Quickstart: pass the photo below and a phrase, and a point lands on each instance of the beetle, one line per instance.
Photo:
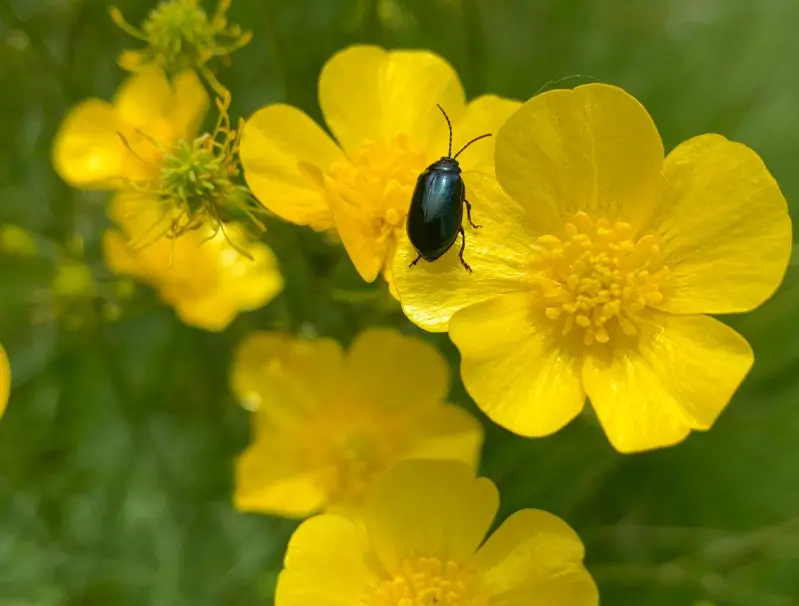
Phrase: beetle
(436, 213)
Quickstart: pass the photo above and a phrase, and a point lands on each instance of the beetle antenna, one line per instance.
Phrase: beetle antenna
(470, 142)
(446, 117)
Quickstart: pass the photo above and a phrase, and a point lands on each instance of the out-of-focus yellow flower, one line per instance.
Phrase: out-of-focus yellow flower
(209, 276)
(179, 36)
(423, 543)
(594, 269)
(17, 241)
(102, 145)
(5, 379)
(381, 107)
(327, 423)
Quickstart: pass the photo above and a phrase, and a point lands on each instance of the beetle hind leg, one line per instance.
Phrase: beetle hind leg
(415, 261)
(463, 246)
(469, 214)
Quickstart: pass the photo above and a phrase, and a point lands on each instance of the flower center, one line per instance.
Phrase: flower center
(377, 183)
(598, 277)
(427, 581)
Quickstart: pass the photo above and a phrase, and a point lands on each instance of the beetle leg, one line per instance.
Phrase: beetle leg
(469, 214)
(463, 246)
(415, 261)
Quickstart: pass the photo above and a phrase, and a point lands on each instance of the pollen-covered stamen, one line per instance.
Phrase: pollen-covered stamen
(597, 277)
(427, 581)
(377, 183)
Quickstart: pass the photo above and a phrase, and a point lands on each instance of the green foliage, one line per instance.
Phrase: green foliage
(116, 452)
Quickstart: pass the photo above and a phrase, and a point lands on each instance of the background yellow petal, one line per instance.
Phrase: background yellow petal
(400, 371)
(88, 151)
(285, 155)
(594, 148)
(514, 367)
(144, 98)
(326, 564)
(680, 377)
(5, 379)
(498, 253)
(277, 485)
(369, 94)
(249, 372)
(429, 508)
(534, 557)
(448, 432)
(724, 228)
(485, 114)
(189, 105)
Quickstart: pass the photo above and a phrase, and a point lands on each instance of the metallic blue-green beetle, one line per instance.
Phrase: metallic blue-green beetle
(436, 213)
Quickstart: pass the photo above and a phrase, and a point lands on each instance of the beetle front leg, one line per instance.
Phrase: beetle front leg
(469, 214)
(463, 246)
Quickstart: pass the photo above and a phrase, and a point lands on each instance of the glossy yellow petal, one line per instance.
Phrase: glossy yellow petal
(189, 104)
(405, 371)
(534, 558)
(448, 432)
(361, 238)
(516, 367)
(254, 357)
(144, 99)
(277, 485)
(483, 115)
(326, 564)
(679, 377)
(87, 150)
(429, 508)
(285, 155)
(724, 228)
(498, 252)
(5, 379)
(369, 94)
(593, 149)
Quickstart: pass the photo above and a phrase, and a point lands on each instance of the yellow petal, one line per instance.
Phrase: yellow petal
(285, 155)
(5, 379)
(361, 238)
(143, 99)
(498, 253)
(514, 367)
(405, 371)
(724, 228)
(483, 115)
(448, 432)
(87, 150)
(593, 149)
(188, 105)
(369, 94)
(251, 362)
(429, 508)
(679, 377)
(270, 483)
(326, 564)
(534, 558)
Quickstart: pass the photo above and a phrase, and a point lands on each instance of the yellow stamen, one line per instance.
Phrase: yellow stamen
(427, 581)
(598, 278)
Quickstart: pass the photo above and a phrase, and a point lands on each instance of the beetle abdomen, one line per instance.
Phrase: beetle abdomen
(436, 211)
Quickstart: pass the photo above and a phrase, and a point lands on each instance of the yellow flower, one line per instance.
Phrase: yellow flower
(327, 423)
(5, 379)
(595, 267)
(423, 543)
(204, 274)
(102, 145)
(381, 107)
(180, 35)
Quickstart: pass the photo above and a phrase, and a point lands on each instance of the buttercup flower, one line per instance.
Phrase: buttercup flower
(381, 107)
(102, 145)
(595, 269)
(327, 423)
(5, 379)
(209, 276)
(423, 543)
(179, 36)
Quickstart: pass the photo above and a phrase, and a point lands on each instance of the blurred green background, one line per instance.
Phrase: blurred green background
(116, 450)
